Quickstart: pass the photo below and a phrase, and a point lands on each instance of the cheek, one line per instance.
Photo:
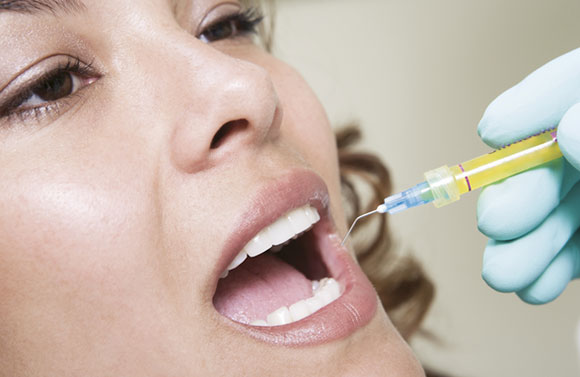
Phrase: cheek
(66, 226)
(306, 120)
(76, 252)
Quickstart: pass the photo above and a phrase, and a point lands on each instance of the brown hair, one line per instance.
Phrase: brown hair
(403, 287)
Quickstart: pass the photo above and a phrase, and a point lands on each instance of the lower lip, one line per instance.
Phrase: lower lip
(339, 319)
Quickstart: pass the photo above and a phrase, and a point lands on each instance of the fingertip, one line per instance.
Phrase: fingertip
(513, 266)
(556, 277)
(491, 220)
(496, 127)
(517, 205)
(536, 103)
(538, 297)
(569, 136)
(499, 272)
(547, 288)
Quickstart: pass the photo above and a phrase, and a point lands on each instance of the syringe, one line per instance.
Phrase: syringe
(445, 185)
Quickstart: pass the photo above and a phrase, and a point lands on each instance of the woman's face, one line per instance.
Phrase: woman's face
(143, 146)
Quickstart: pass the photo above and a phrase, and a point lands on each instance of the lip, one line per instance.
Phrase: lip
(357, 304)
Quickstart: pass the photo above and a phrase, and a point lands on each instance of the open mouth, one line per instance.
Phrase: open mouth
(289, 281)
(280, 276)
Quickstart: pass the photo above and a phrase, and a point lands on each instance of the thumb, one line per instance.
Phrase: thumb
(535, 104)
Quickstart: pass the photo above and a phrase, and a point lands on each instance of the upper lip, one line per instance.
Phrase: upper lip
(292, 190)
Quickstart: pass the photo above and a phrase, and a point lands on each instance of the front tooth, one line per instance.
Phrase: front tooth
(280, 316)
(257, 245)
(280, 231)
(299, 219)
(239, 259)
(286, 227)
(224, 274)
(312, 214)
(299, 310)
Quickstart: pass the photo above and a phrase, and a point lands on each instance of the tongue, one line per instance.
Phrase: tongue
(258, 287)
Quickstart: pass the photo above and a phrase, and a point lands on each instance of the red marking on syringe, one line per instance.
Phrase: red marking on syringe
(466, 177)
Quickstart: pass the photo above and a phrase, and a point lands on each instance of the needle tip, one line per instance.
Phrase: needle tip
(354, 222)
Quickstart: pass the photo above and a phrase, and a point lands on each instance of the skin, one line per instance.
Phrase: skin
(114, 208)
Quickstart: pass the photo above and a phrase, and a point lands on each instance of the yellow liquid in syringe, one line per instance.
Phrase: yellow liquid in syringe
(507, 161)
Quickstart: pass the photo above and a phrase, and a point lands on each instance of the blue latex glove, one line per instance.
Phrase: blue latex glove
(533, 218)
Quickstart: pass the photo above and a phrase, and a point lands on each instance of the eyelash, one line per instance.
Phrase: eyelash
(73, 66)
(245, 22)
(239, 24)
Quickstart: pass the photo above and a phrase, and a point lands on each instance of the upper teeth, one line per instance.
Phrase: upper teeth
(282, 230)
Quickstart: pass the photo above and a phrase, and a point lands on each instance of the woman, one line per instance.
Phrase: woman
(147, 149)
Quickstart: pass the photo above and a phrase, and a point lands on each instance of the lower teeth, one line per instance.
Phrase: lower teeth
(325, 292)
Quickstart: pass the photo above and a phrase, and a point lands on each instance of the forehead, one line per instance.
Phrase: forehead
(55, 6)
(46, 6)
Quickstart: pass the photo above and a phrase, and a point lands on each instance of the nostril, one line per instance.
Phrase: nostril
(228, 130)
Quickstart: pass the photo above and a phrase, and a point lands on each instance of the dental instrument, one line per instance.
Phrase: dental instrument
(444, 185)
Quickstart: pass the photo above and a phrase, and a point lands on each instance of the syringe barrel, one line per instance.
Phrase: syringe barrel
(507, 161)
(447, 184)
(444, 185)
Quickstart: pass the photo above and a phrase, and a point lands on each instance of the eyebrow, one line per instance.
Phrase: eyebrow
(42, 6)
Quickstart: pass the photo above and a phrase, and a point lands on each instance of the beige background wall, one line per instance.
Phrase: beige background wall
(418, 74)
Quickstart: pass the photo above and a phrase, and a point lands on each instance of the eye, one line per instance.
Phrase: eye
(48, 91)
(55, 87)
(236, 25)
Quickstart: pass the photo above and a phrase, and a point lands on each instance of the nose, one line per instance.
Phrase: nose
(227, 105)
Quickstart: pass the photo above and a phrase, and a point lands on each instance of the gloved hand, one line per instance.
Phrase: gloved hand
(533, 218)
